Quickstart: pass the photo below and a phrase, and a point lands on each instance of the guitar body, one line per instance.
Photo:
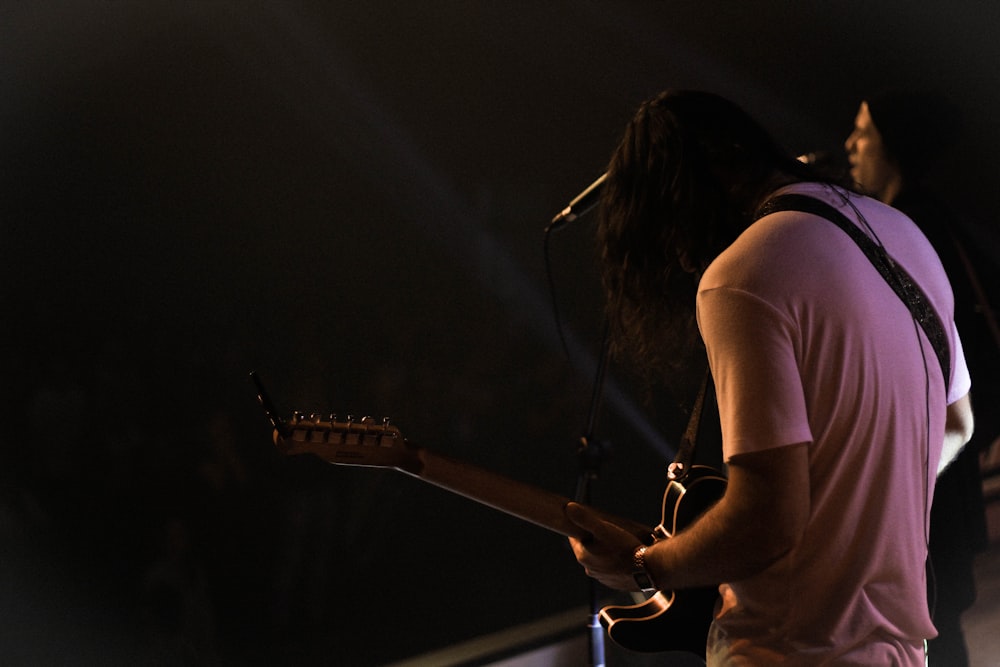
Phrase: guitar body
(679, 620)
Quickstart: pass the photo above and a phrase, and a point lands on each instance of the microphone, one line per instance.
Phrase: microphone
(583, 202)
(816, 157)
(830, 163)
(820, 157)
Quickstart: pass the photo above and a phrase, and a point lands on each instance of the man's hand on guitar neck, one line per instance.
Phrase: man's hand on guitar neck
(760, 517)
(607, 555)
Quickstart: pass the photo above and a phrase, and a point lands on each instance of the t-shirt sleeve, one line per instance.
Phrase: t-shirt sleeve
(752, 352)
(961, 381)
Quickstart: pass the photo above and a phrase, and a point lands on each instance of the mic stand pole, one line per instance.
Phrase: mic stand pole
(591, 454)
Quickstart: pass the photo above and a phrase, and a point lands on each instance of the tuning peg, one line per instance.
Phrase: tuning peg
(389, 433)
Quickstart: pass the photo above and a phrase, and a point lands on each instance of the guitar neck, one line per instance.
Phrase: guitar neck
(518, 499)
(367, 442)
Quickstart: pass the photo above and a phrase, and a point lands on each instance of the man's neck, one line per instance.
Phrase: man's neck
(893, 186)
(777, 181)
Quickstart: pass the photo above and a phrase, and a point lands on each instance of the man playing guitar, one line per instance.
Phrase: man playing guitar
(838, 404)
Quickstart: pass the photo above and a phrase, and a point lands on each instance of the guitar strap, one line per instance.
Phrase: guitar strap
(681, 464)
(898, 279)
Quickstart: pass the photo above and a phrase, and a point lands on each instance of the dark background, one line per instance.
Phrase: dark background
(349, 198)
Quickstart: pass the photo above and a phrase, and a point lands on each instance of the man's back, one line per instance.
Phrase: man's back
(808, 343)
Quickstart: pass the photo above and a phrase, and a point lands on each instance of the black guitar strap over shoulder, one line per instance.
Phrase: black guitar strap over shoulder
(898, 279)
(681, 464)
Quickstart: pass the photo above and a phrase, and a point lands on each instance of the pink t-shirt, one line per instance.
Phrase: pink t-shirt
(808, 343)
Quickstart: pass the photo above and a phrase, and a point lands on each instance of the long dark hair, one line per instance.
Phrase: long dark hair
(683, 183)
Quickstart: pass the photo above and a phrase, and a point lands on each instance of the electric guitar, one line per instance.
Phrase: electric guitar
(667, 621)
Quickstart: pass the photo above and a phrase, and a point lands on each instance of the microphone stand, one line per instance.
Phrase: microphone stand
(591, 455)
(591, 452)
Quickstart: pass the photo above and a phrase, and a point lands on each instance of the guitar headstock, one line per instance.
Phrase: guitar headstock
(356, 442)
